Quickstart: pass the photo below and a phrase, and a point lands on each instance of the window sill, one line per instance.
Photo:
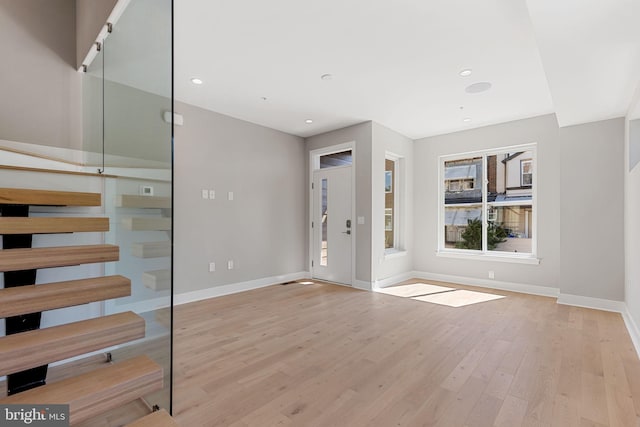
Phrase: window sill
(394, 253)
(529, 259)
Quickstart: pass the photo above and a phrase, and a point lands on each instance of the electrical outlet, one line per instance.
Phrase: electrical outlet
(230, 264)
(212, 267)
(491, 274)
(205, 194)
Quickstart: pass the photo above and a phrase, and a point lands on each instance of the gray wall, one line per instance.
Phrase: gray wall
(542, 130)
(41, 90)
(263, 228)
(592, 209)
(387, 140)
(362, 135)
(580, 205)
(91, 15)
(134, 124)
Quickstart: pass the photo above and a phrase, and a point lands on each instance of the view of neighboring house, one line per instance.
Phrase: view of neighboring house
(389, 203)
(509, 198)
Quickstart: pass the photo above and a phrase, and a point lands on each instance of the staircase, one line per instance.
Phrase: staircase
(157, 280)
(26, 350)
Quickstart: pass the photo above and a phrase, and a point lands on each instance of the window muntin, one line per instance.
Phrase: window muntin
(497, 217)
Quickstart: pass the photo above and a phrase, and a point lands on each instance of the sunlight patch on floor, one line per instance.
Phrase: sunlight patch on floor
(458, 298)
(413, 290)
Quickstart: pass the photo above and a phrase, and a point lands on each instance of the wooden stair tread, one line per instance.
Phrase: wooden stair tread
(36, 298)
(158, 280)
(44, 225)
(147, 224)
(151, 249)
(21, 196)
(136, 201)
(60, 256)
(159, 418)
(93, 393)
(27, 350)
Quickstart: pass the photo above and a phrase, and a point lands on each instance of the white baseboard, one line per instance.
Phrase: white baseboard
(589, 302)
(492, 284)
(390, 281)
(632, 327)
(218, 291)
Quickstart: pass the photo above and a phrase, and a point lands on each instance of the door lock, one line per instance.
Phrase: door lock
(348, 223)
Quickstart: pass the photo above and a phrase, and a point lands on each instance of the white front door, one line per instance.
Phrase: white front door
(332, 225)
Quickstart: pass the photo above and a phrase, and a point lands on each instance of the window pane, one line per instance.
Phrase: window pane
(389, 203)
(343, 158)
(463, 227)
(526, 167)
(462, 180)
(510, 177)
(498, 185)
(324, 248)
(388, 219)
(510, 228)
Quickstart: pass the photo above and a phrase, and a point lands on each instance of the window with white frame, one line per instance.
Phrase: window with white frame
(496, 217)
(392, 226)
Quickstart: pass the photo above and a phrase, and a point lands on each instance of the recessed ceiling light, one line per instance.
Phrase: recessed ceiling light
(308, 121)
(196, 81)
(466, 72)
(467, 120)
(478, 87)
(326, 77)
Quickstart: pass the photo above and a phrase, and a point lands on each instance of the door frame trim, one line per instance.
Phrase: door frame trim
(314, 164)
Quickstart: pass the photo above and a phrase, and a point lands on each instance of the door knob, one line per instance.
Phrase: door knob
(346, 232)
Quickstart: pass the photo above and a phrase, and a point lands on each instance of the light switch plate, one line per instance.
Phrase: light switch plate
(360, 220)
(212, 267)
(205, 194)
(146, 190)
(212, 194)
(230, 195)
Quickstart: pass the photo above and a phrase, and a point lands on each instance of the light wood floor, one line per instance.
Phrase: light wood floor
(326, 355)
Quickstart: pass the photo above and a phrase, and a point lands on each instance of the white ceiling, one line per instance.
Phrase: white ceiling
(397, 61)
(591, 55)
